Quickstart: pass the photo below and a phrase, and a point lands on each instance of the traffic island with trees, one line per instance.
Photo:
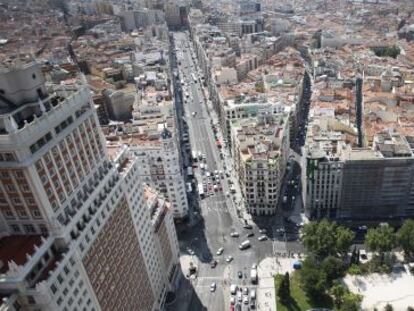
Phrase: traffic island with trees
(318, 284)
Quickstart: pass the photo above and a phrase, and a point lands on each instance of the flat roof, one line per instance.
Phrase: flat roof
(15, 248)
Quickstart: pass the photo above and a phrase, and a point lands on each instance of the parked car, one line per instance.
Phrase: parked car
(250, 234)
(229, 259)
(248, 227)
(234, 234)
(220, 251)
(240, 274)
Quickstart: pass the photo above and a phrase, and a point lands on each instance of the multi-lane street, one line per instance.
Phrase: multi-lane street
(214, 216)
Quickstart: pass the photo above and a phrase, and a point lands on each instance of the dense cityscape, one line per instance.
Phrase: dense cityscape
(186, 155)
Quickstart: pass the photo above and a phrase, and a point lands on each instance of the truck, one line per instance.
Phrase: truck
(244, 245)
(253, 276)
(201, 190)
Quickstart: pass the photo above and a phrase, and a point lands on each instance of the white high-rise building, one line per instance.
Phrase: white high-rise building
(79, 231)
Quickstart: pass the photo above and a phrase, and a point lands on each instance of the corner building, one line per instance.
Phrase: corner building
(78, 231)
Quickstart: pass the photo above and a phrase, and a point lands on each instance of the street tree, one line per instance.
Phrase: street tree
(338, 291)
(344, 238)
(312, 278)
(325, 239)
(380, 240)
(333, 268)
(351, 302)
(405, 238)
(388, 307)
(284, 288)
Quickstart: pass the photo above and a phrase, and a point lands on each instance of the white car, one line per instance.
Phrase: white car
(213, 287)
(229, 258)
(246, 300)
(234, 234)
(254, 266)
(239, 296)
(262, 238)
(220, 251)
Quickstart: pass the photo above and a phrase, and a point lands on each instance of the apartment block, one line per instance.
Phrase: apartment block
(348, 183)
(260, 147)
(77, 229)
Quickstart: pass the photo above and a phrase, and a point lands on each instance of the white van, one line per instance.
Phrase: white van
(253, 294)
(233, 289)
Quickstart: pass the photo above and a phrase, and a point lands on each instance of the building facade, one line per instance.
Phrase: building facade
(77, 230)
(347, 183)
(260, 147)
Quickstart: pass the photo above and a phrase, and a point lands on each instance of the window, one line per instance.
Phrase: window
(10, 188)
(15, 228)
(25, 188)
(29, 228)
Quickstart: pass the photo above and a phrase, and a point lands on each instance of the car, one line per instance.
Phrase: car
(248, 227)
(263, 231)
(220, 251)
(262, 238)
(232, 300)
(233, 289)
(213, 287)
(229, 258)
(250, 234)
(246, 300)
(239, 296)
(245, 291)
(234, 234)
(240, 274)
(213, 264)
(254, 266)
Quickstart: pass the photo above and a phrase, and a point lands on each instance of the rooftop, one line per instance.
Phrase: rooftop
(15, 249)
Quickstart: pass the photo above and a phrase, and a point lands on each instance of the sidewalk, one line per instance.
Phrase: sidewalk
(266, 295)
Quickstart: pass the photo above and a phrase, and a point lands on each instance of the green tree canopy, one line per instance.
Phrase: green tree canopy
(325, 239)
(312, 278)
(351, 302)
(405, 237)
(333, 268)
(380, 239)
(338, 291)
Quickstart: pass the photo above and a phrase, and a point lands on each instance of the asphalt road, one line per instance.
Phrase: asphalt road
(217, 216)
